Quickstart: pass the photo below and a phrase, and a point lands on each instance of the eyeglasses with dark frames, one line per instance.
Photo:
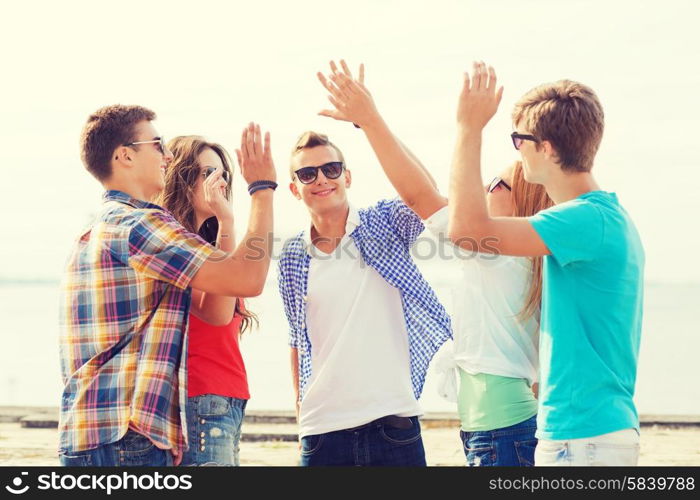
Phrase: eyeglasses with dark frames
(332, 170)
(497, 181)
(519, 138)
(159, 141)
(210, 170)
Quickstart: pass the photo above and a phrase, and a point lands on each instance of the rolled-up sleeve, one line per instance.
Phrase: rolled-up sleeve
(402, 221)
(160, 248)
(288, 302)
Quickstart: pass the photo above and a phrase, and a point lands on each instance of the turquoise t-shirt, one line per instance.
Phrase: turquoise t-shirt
(591, 317)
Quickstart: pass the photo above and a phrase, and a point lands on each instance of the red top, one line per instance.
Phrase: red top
(214, 361)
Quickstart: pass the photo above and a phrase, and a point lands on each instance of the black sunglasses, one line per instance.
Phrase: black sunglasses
(497, 181)
(158, 141)
(331, 170)
(210, 170)
(519, 138)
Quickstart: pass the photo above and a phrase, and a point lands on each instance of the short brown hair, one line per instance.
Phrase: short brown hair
(107, 129)
(309, 140)
(567, 114)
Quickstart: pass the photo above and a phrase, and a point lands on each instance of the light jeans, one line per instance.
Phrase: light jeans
(214, 430)
(615, 448)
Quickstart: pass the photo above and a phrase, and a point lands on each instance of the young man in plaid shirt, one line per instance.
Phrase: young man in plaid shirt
(125, 294)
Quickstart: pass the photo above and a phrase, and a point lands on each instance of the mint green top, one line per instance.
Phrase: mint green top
(488, 402)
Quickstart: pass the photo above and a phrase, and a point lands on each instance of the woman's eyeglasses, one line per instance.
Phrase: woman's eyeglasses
(519, 138)
(497, 181)
(210, 170)
(331, 170)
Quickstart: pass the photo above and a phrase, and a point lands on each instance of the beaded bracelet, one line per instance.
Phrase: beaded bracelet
(258, 185)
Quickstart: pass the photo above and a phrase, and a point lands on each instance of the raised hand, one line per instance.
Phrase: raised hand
(255, 157)
(349, 96)
(479, 99)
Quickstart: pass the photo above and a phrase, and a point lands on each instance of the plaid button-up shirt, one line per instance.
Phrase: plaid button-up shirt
(123, 320)
(385, 234)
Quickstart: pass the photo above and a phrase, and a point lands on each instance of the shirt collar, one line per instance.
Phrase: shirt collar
(351, 223)
(122, 197)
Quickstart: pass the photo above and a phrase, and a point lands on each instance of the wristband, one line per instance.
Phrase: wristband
(258, 185)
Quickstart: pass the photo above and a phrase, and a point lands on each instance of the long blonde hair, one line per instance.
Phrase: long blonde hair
(178, 195)
(528, 199)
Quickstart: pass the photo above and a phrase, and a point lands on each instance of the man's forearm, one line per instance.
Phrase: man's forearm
(256, 246)
(468, 211)
(408, 176)
(418, 162)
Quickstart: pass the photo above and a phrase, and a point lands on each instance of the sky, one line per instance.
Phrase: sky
(210, 67)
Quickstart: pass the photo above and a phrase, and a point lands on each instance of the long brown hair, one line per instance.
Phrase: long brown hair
(528, 199)
(178, 195)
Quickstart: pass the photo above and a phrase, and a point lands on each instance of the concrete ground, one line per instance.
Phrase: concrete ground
(21, 446)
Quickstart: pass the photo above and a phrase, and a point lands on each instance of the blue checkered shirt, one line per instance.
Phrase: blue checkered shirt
(384, 237)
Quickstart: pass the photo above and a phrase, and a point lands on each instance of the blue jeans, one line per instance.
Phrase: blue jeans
(214, 430)
(374, 444)
(133, 450)
(509, 446)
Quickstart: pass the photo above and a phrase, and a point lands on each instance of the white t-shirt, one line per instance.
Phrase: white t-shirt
(359, 343)
(488, 337)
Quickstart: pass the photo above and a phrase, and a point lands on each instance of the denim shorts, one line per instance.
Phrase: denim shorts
(512, 446)
(214, 430)
(132, 450)
(375, 444)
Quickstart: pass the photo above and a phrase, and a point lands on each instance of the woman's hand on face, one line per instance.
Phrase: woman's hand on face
(215, 196)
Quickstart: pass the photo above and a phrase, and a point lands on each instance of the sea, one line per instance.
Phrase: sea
(30, 375)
